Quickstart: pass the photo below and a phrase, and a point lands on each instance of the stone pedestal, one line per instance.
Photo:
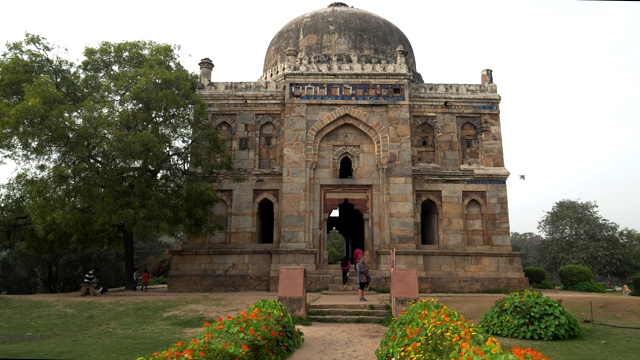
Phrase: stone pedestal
(292, 291)
(404, 289)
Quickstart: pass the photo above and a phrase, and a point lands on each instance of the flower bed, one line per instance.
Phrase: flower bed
(266, 331)
(429, 330)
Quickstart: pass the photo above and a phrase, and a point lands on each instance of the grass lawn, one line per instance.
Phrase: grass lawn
(598, 341)
(119, 329)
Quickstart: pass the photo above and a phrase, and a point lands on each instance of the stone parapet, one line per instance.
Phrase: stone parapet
(457, 89)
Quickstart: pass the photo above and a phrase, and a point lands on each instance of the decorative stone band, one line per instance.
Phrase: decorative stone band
(329, 91)
(278, 72)
(461, 89)
(415, 89)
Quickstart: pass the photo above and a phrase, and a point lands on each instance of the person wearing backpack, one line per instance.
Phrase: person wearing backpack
(363, 277)
(345, 265)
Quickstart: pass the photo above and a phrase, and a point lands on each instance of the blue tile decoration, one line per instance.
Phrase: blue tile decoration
(487, 182)
(354, 92)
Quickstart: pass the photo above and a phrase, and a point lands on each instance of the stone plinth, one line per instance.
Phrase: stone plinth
(292, 291)
(404, 289)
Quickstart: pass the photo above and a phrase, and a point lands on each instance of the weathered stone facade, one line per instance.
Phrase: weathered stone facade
(335, 124)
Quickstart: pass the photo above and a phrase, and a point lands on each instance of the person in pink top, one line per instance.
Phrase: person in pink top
(357, 253)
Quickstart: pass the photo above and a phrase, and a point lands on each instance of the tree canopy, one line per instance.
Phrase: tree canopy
(108, 148)
(575, 233)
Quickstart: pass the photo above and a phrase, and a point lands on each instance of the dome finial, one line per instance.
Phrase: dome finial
(338, 4)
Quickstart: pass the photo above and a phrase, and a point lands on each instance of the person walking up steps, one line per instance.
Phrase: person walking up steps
(345, 265)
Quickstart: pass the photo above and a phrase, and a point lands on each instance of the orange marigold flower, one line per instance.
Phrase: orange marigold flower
(179, 344)
(201, 353)
(251, 331)
(245, 347)
(225, 346)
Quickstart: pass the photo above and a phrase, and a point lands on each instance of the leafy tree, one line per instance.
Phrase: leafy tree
(575, 233)
(631, 240)
(530, 245)
(113, 147)
(336, 246)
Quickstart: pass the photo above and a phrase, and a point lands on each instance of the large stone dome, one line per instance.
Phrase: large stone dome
(339, 30)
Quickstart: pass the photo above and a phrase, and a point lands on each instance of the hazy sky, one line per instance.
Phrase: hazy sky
(568, 73)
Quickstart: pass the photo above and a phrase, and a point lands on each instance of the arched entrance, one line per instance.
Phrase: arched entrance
(349, 222)
(348, 210)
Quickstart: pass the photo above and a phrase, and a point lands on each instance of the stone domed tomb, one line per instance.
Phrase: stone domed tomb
(340, 132)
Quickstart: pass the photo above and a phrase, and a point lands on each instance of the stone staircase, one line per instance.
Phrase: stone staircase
(349, 313)
(350, 310)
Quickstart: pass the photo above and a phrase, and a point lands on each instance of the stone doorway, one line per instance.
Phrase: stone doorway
(347, 209)
(349, 222)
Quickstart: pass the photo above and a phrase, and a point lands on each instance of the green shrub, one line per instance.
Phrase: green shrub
(159, 266)
(545, 284)
(589, 286)
(498, 290)
(529, 315)
(571, 275)
(536, 275)
(158, 281)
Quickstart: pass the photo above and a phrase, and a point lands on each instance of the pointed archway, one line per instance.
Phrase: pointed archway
(349, 222)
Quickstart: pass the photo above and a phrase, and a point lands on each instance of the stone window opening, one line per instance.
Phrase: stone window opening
(345, 161)
(428, 223)
(346, 168)
(265, 222)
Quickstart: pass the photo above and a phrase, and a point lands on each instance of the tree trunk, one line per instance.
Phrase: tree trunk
(127, 237)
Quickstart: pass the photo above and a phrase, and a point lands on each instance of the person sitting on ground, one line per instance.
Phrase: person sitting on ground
(91, 279)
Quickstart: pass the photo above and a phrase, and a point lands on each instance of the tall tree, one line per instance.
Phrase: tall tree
(575, 233)
(110, 147)
(530, 245)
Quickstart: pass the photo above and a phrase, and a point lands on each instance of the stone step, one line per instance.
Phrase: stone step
(364, 312)
(347, 319)
(365, 305)
(349, 312)
(341, 288)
